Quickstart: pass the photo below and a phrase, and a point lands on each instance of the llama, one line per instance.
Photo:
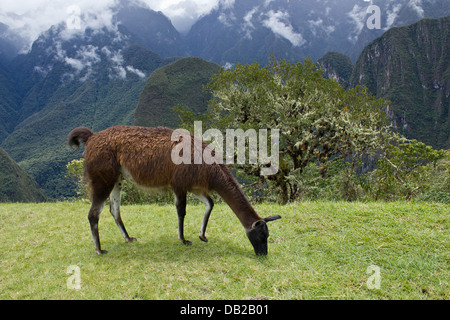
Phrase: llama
(143, 156)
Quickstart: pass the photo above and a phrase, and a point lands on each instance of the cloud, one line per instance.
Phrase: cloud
(117, 69)
(318, 24)
(357, 16)
(184, 13)
(248, 26)
(29, 18)
(278, 22)
(137, 72)
(86, 57)
(83, 60)
(227, 18)
(43, 70)
(391, 16)
(120, 73)
(416, 6)
(75, 63)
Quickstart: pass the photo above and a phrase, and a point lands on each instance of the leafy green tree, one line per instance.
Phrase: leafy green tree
(75, 172)
(409, 168)
(319, 121)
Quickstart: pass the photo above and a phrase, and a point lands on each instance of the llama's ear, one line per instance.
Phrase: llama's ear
(258, 224)
(272, 218)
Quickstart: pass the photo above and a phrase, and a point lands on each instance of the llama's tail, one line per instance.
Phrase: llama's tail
(78, 135)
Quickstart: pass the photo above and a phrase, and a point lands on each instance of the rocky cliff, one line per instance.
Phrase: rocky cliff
(410, 66)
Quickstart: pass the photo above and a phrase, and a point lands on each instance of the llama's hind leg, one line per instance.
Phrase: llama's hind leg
(180, 203)
(115, 200)
(94, 215)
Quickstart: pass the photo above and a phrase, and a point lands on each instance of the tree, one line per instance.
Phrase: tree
(408, 168)
(319, 121)
(75, 172)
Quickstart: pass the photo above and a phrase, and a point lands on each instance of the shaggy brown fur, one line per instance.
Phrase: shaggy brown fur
(144, 156)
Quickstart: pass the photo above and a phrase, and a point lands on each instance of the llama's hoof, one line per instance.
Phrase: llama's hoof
(131, 239)
(203, 238)
(186, 242)
(100, 252)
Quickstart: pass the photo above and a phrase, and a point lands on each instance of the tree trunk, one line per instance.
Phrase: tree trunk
(284, 197)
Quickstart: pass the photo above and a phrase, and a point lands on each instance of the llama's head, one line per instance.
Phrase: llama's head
(259, 233)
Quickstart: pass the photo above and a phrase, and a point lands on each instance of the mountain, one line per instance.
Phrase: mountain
(238, 34)
(153, 29)
(15, 184)
(9, 103)
(410, 66)
(337, 66)
(396, 14)
(10, 44)
(249, 30)
(179, 83)
(73, 78)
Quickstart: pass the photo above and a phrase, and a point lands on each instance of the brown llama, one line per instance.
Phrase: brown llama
(143, 155)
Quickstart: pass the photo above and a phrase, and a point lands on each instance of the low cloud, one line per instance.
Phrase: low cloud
(82, 61)
(248, 25)
(115, 58)
(278, 22)
(85, 60)
(318, 25)
(30, 18)
(184, 14)
(416, 5)
(357, 17)
(392, 16)
(137, 72)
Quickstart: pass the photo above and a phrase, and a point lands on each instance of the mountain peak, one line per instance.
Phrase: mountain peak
(82, 53)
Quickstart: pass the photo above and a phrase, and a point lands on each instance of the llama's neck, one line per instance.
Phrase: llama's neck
(230, 191)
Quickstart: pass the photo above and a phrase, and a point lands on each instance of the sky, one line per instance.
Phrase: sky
(31, 17)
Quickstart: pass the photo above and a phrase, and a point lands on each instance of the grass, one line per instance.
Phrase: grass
(319, 250)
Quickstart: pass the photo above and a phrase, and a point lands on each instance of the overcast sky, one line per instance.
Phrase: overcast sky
(31, 17)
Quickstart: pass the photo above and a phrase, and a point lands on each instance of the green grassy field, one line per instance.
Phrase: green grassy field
(319, 250)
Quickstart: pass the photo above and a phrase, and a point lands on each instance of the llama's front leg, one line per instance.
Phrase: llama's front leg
(209, 204)
(180, 203)
(115, 200)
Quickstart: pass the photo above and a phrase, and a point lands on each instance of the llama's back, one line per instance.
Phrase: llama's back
(144, 156)
(144, 153)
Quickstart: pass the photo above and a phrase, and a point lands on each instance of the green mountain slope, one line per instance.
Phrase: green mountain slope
(102, 94)
(15, 184)
(9, 103)
(181, 82)
(411, 67)
(338, 66)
